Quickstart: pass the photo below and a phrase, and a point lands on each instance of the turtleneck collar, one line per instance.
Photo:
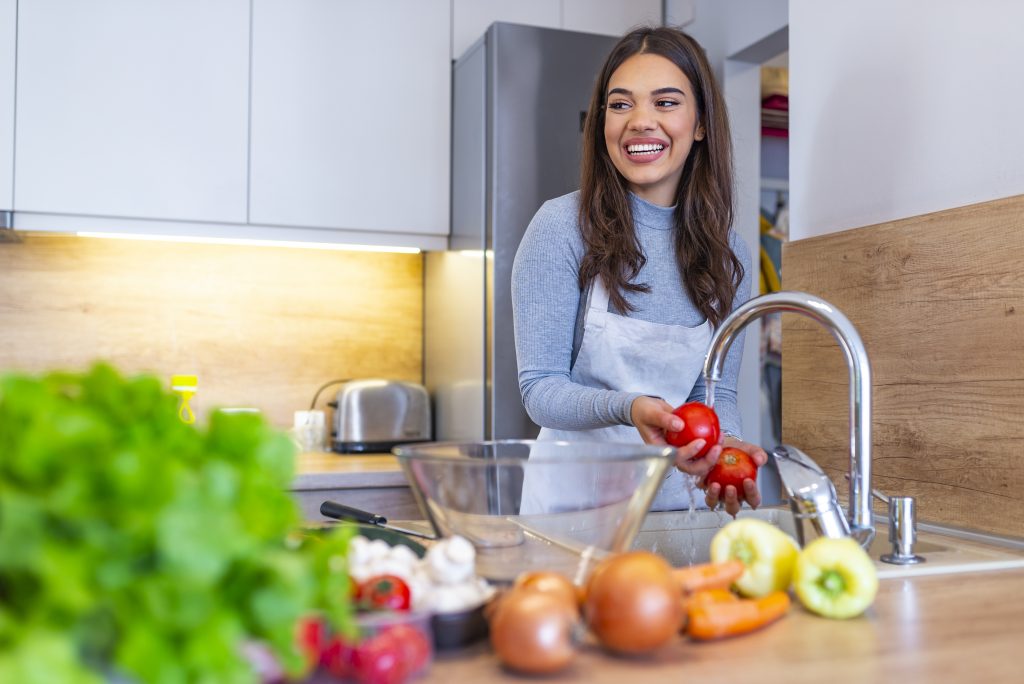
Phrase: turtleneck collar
(651, 215)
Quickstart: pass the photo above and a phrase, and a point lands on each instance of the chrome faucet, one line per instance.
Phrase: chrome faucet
(859, 518)
(812, 495)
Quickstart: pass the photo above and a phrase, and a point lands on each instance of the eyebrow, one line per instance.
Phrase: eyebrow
(659, 91)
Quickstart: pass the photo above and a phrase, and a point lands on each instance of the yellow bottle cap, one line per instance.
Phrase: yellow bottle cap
(186, 386)
(184, 383)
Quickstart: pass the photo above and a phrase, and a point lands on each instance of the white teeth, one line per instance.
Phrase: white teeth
(644, 149)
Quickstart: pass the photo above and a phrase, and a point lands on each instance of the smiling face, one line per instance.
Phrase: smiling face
(650, 124)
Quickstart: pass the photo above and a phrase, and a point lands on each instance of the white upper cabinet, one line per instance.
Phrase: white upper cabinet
(8, 15)
(610, 17)
(132, 109)
(351, 107)
(299, 119)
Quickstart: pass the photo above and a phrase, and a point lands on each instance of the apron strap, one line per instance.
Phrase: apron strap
(597, 303)
(598, 296)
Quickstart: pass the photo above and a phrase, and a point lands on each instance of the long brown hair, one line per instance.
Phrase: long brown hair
(704, 210)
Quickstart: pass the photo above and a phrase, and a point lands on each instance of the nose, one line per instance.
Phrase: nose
(642, 118)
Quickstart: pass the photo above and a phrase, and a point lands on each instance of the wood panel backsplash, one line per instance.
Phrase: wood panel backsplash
(939, 302)
(262, 327)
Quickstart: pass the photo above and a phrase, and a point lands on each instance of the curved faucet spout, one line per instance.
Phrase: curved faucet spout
(843, 331)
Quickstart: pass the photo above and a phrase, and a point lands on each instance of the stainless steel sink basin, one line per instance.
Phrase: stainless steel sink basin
(684, 538)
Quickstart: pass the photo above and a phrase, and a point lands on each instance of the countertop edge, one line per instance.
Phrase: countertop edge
(325, 470)
(355, 480)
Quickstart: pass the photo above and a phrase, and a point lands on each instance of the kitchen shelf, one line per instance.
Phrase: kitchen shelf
(774, 184)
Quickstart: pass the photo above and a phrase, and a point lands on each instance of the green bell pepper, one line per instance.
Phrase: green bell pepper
(767, 552)
(835, 578)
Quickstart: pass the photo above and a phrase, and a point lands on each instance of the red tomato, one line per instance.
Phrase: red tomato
(381, 660)
(699, 422)
(733, 467)
(384, 592)
(413, 644)
(339, 657)
(312, 638)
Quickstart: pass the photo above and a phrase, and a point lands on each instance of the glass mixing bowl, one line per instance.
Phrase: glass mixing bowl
(530, 505)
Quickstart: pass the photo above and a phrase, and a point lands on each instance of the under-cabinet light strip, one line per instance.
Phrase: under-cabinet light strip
(477, 253)
(250, 242)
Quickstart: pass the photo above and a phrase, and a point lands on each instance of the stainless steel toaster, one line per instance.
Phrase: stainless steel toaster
(374, 415)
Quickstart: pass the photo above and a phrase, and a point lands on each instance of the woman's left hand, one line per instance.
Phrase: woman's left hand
(734, 499)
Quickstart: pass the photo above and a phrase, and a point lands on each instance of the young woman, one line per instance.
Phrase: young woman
(617, 287)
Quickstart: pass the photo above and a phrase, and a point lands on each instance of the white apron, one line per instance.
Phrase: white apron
(632, 355)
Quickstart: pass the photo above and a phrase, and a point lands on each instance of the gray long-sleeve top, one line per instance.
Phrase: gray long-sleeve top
(549, 315)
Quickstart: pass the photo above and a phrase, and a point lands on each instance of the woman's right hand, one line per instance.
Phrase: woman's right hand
(653, 418)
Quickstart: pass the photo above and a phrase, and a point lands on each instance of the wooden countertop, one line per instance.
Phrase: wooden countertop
(940, 628)
(949, 628)
(327, 470)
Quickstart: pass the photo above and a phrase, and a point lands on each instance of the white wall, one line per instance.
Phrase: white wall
(727, 29)
(902, 108)
(8, 14)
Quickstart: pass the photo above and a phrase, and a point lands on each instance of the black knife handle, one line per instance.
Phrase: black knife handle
(333, 509)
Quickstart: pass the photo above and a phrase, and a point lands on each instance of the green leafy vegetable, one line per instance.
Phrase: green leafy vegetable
(132, 544)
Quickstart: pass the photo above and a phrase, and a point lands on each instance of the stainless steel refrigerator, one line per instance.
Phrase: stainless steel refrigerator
(520, 94)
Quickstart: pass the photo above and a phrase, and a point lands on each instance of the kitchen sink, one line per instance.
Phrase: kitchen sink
(684, 538)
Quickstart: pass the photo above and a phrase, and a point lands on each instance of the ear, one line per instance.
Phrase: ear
(699, 133)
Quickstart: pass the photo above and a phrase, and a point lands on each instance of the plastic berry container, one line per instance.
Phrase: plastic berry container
(392, 646)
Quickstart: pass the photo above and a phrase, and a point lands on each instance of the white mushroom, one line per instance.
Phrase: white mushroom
(444, 581)
(379, 549)
(358, 552)
(403, 554)
(451, 561)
